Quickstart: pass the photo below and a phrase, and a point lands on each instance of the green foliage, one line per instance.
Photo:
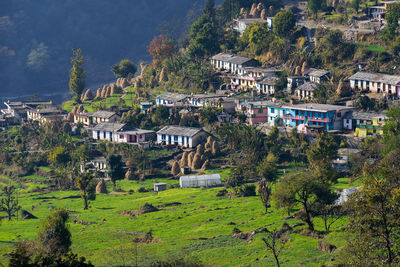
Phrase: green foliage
(85, 183)
(160, 48)
(374, 216)
(25, 254)
(315, 6)
(256, 38)
(391, 129)
(59, 155)
(305, 189)
(9, 202)
(54, 235)
(284, 22)
(331, 48)
(236, 179)
(115, 169)
(204, 38)
(38, 57)
(77, 75)
(392, 17)
(208, 115)
(355, 4)
(124, 69)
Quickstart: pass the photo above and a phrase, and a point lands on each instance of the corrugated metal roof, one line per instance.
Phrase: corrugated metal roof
(232, 58)
(376, 77)
(109, 126)
(318, 107)
(307, 87)
(172, 96)
(179, 131)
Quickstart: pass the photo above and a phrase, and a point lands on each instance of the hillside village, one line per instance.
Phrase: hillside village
(271, 137)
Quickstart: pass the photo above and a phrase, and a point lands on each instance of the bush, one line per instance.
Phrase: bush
(142, 190)
(248, 190)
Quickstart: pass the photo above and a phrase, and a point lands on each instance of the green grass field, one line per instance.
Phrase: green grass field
(372, 48)
(200, 227)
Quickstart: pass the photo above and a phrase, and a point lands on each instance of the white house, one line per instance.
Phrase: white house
(196, 181)
(266, 86)
(318, 75)
(170, 99)
(107, 130)
(117, 132)
(352, 120)
(96, 117)
(232, 62)
(181, 136)
(376, 82)
(306, 91)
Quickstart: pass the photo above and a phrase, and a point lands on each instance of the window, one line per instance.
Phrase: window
(163, 137)
(176, 138)
(339, 114)
(272, 110)
(104, 135)
(121, 136)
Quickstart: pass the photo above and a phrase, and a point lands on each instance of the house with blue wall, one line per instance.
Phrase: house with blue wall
(312, 114)
(275, 113)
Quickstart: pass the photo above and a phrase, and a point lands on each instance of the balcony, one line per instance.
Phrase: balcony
(290, 117)
(302, 118)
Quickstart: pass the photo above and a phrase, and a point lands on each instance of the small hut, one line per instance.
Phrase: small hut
(160, 187)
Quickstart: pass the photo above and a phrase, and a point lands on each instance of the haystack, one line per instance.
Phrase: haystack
(25, 215)
(184, 159)
(101, 187)
(175, 170)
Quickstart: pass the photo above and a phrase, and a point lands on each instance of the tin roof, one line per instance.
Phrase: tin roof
(109, 126)
(376, 77)
(307, 87)
(179, 131)
(176, 97)
(318, 107)
(232, 58)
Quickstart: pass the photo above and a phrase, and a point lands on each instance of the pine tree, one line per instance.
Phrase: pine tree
(77, 75)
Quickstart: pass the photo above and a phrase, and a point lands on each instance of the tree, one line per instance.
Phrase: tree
(77, 75)
(320, 156)
(38, 57)
(284, 22)
(209, 9)
(330, 214)
(59, 155)
(160, 48)
(268, 172)
(84, 182)
(236, 179)
(275, 243)
(54, 235)
(355, 4)
(115, 169)
(374, 216)
(9, 203)
(392, 17)
(305, 189)
(314, 6)
(391, 130)
(203, 36)
(124, 69)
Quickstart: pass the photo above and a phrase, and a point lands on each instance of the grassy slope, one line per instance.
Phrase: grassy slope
(178, 227)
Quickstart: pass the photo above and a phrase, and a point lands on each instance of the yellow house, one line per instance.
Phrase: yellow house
(369, 129)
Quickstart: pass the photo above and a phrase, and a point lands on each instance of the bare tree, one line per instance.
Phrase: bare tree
(331, 214)
(9, 203)
(275, 242)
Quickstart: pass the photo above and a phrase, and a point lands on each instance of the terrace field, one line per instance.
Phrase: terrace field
(194, 223)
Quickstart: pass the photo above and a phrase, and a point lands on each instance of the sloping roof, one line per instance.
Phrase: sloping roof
(318, 107)
(172, 96)
(264, 103)
(268, 80)
(376, 77)
(102, 114)
(262, 70)
(318, 72)
(109, 126)
(357, 115)
(307, 87)
(137, 131)
(47, 111)
(180, 131)
(232, 58)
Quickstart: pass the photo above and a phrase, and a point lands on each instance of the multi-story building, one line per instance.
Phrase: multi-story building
(306, 91)
(330, 117)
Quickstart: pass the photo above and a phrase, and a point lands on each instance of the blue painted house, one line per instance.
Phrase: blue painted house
(330, 117)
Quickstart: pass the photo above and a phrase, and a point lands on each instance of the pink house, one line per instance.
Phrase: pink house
(257, 112)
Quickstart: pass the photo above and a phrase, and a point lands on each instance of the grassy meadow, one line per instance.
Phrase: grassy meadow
(195, 223)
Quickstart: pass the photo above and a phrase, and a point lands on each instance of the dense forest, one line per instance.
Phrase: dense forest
(37, 38)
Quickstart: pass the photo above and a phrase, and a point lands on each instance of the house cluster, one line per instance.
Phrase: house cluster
(245, 75)
(20, 111)
(311, 118)
(376, 82)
